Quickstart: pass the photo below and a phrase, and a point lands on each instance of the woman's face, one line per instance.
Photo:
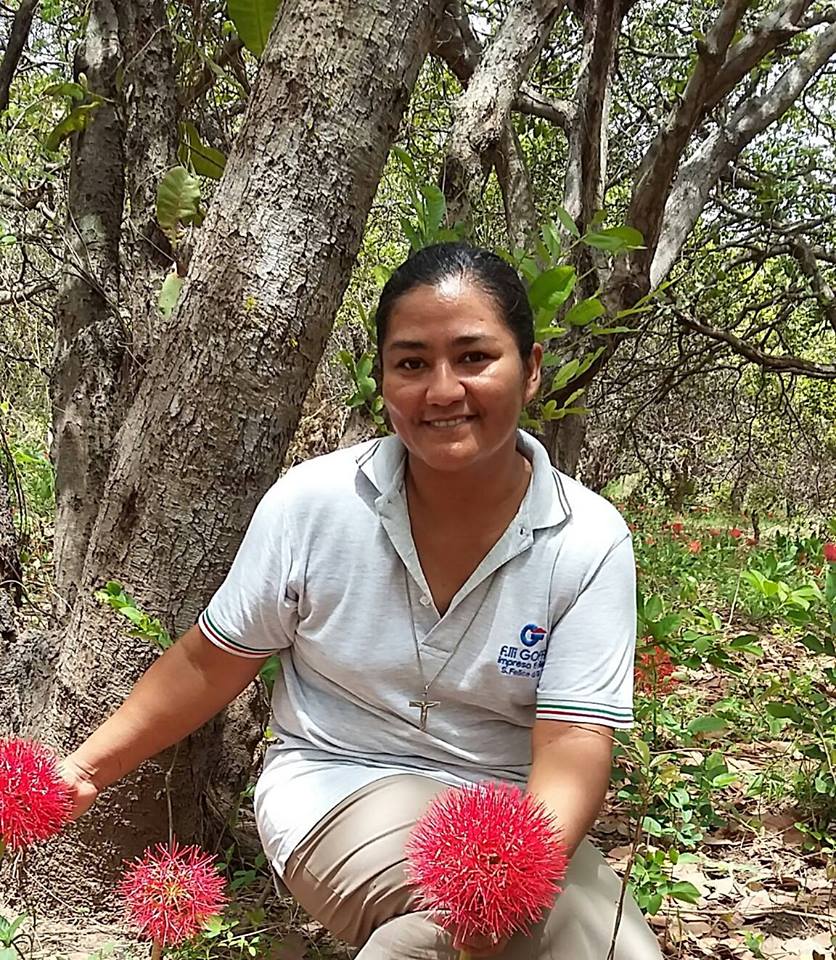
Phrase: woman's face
(453, 379)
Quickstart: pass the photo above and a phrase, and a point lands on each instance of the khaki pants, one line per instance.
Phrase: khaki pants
(348, 873)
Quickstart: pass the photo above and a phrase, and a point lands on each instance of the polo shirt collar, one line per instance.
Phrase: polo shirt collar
(384, 462)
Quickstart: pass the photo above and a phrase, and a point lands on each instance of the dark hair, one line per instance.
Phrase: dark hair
(490, 273)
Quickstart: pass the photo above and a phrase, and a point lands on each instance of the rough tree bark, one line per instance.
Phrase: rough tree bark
(151, 115)
(586, 173)
(482, 133)
(221, 395)
(10, 573)
(90, 336)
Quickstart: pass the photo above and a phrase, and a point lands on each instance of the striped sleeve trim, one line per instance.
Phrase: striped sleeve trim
(584, 713)
(211, 632)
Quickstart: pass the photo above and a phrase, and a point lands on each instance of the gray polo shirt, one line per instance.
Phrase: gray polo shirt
(328, 576)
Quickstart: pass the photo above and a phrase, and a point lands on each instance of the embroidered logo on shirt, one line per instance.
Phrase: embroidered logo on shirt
(514, 661)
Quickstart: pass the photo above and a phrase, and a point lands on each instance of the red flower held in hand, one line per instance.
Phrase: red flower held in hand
(171, 892)
(34, 800)
(487, 860)
(829, 550)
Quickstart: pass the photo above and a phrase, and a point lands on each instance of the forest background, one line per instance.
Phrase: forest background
(197, 213)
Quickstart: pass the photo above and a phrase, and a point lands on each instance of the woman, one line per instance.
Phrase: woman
(447, 608)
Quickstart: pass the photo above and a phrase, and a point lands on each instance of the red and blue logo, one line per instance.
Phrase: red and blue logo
(531, 635)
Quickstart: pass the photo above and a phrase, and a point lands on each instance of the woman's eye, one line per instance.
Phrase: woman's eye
(475, 356)
(410, 363)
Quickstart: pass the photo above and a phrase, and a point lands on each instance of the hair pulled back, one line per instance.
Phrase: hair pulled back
(484, 269)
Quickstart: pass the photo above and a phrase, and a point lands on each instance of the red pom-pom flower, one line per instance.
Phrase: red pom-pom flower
(34, 801)
(170, 892)
(487, 860)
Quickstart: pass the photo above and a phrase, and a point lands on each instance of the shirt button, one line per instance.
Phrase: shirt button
(425, 601)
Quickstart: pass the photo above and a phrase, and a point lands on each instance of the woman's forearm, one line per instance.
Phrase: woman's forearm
(188, 685)
(570, 774)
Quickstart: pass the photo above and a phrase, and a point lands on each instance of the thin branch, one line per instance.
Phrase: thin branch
(21, 25)
(770, 362)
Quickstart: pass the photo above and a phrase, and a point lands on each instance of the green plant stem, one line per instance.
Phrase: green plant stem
(464, 955)
(2, 847)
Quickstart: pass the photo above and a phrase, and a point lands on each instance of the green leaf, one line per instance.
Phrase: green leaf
(564, 375)
(583, 312)
(709, 724)
(783, 711)
(614, 239)
(723, 780)
(169, 292)
(405, 159)
(436, 206)
(567, 222)
(66, 89)
(75, 121)
(552, 287)
(204, 160)
(682, 890)
(598, 331)
(178, 200)
(253, 20)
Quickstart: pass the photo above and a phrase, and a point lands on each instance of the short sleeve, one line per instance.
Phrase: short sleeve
(588, 673)
(253, 612)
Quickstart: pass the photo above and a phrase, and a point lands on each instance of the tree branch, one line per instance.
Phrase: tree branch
(586, 167)
(21, 25)
(458, 47)
(482, 135)
(769, 362)
(700, 173)
(775, 28)
(26, 293)
(658, 167)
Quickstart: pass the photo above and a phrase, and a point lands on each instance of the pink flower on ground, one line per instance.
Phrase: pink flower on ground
(829, 550)
(736, 533)
(34, 801)
(171, 892)
(487, 860)
(695, 546)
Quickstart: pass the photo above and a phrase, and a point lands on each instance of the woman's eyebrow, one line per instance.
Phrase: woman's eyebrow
(462, 341)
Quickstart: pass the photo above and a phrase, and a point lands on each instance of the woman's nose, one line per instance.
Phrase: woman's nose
(444, 386)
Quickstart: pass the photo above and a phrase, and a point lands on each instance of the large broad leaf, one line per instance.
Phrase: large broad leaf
(253, 20)
(178, 200)
(552, 287)
(204, 160)
(75, 121)
(584, 312)
(614, 239)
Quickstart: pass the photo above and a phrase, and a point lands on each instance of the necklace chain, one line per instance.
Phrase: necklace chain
(424, 705)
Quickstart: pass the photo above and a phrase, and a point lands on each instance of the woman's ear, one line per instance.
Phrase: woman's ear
(532, 372)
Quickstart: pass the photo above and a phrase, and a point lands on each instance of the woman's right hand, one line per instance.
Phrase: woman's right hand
(83, 790)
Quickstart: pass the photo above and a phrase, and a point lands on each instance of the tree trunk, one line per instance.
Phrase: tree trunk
(90, 337)
(221, 397)
(150, 105)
